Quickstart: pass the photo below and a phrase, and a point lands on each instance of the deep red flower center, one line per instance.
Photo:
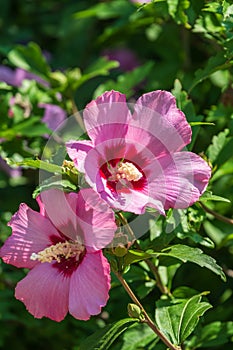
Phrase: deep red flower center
(123, 172)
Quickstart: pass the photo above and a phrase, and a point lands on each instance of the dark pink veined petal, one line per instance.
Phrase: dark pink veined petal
(45, 292)
(107, 117)
(181, 179)
(31, 233)
(60, 208)
(159, 124)
(96, 219)
(89, 286)
(77, 151)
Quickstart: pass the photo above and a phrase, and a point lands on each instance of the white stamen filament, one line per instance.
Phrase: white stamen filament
(60, 250)
(126, 171)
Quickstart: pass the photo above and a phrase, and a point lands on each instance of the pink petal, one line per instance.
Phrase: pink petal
(181, 179)
(132, 201)
(159, 124)
(80, 216)
(89, 286)
(96, 219)
(41, 205)
(61, 208)
(77, 151)
(106, 117)
(31, 233)
(45, 292)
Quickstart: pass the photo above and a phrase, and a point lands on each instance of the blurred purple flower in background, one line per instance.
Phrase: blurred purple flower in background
(17, 76)
(11, 172)
(53, 116)
(126, 58)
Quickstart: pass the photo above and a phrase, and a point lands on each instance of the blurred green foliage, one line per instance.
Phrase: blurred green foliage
(182, 46)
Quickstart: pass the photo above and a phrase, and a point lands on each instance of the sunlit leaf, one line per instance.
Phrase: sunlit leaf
(30, 58)
(217, 145)
(209, 196)
(194, 255)
(126, 82)
(55, 182)
(177, 9)
(212, 335)
(103, 339)
(177, 321)
(214, 64)
(138, 337)
(38, 164)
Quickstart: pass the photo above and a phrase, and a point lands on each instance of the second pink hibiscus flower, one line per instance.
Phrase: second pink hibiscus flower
(134, 160)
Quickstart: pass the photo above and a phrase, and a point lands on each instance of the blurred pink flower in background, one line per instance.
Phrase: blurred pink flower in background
(134, 160)
(61, 247)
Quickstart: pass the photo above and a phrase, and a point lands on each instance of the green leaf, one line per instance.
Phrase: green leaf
(209, 196)
(201, 123)
(226, 169)
(225, 153)
(177, 9)
(55, 182)
(214, 64)
(138, 337)
(37, 164)
(194, 255)
(186, 105)
(106, 10)
(178, 321)
(213, 334)
(126, 82)
(103, 339)
(4, 86)
(30, 127)
(101, 67)
(30, 58)
(197, 238)
(134, 256)
(217, 145)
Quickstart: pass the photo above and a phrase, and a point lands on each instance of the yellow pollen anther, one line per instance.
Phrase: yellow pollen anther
(126, 171)
(58, 251)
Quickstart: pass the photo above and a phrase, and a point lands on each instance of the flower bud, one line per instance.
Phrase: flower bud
(134, 311)
(120, 251)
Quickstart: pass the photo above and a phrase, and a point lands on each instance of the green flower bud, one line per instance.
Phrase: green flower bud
(120, 251)
(134, 311)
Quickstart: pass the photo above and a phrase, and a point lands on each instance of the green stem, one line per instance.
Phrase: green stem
(163, 289)
(147, 320)
(216, 215)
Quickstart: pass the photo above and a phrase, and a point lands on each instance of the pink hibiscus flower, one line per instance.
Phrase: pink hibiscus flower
(134, 160)
(61, 247)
